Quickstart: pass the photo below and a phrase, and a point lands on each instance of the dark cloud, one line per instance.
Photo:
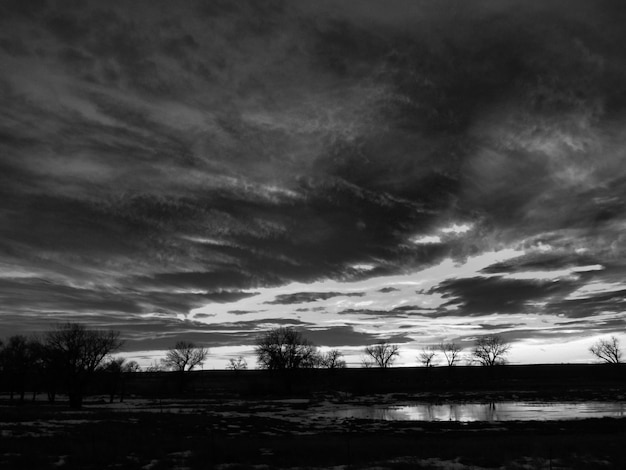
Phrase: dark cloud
(411, 308)
(483, 296)
(53, 300)
(200, 280)
(542, 261)
(590, 306)
(591, 323)
(346, 336)
(377, 313)
(157, 158)
(500, 326)
(386, 290)
(243, 312)
(304, 297)
(47, 296)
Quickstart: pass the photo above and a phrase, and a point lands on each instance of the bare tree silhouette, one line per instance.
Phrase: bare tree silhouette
(332, 360)
(185, 356)
(426, 356)
(367, 363)
(490, 350)
(155, 366)
(76, 352)
(608, 350)
(451, 352)
(382, 354)
(237, 364)
(285, 348)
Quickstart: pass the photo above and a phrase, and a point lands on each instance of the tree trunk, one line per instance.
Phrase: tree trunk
(122, 389)
(76, 400)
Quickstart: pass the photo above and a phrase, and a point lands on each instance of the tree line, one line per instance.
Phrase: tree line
(65, 358)
(68, 357)
(286, 348)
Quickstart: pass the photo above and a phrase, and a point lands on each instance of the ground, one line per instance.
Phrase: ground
(230, 434)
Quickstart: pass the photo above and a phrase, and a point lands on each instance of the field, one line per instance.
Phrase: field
(197, 429)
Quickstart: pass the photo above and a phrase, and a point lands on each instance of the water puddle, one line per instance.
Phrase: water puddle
(492, 412)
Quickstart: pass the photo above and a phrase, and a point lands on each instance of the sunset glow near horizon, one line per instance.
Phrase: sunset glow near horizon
(406, 171)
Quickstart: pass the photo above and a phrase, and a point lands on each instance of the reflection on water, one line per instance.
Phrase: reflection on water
(502, 411)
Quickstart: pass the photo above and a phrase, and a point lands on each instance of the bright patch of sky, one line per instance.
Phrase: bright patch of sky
(207, 241)
(595, 288)
(457, 228)
(426, 240)
(373, 312)
(363, 267)
(410, 288)
(566, 351)
(450, 231)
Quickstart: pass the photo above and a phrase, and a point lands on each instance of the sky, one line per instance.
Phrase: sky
(406, 171)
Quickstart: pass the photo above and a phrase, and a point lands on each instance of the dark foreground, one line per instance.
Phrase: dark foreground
(254, 419)
(264, 434)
